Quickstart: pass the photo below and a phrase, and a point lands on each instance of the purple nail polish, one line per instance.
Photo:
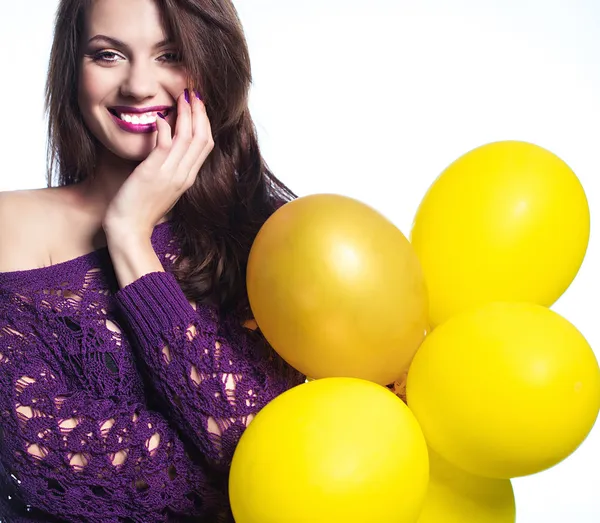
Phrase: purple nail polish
(197, 95)
(161, 115)
(186, 93)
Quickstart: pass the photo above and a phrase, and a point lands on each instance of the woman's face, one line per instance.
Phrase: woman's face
(129, 72)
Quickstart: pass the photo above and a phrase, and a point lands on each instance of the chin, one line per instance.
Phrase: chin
(134, 156)
(132, 152)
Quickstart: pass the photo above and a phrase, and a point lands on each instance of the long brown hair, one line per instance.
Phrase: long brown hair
(217, 220)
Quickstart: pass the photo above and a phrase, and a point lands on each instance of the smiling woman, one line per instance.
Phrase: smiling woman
(129, 362)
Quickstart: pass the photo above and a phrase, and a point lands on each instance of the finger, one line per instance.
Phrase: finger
(199, 116)
(161, 150)
(203, 137)
(199, 159)
(194, 170)
(164, 138)
(182, 137)
(202, 142)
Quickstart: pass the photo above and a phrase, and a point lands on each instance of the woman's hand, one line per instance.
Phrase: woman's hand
(156, 185)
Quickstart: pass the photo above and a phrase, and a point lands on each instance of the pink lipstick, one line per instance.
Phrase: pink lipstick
(138, 119)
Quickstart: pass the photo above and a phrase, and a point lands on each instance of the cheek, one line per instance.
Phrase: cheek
(175, 82)
(92, 89)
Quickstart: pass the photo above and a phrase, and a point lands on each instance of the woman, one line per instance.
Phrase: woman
(129, 364)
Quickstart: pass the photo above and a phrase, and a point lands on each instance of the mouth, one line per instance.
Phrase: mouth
(139, 118)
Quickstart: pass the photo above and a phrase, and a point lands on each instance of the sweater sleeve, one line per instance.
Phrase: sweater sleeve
(77, 440)
(208, 370)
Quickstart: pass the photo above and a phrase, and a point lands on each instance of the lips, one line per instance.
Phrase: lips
(139, 115)
(138, 119)
(140, 110)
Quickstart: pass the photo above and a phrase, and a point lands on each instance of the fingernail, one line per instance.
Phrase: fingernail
(197, 95)
(186, 93)
(161, 115)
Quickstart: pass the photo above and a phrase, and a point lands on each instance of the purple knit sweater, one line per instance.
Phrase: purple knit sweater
(120, 406)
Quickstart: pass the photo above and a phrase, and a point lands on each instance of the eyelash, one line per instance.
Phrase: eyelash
(101, 57)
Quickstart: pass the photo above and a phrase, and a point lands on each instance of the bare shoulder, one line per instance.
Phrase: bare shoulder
(20, 211)
(25, 221)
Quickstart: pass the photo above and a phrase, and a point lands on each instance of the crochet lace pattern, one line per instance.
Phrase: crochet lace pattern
(121, 405)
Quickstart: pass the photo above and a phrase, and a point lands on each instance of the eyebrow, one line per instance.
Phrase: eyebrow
(118, 43)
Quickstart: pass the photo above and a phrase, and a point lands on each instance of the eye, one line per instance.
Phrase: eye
(106, 57)
(171, 57)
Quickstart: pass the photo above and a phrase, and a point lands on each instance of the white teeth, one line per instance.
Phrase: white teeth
(139, 119)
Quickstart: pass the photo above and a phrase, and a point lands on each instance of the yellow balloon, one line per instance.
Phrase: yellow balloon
(337, 289)
(334, 449)
(508, 221)
(505, 390)
(455, 496)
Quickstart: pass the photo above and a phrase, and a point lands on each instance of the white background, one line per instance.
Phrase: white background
(374, 99)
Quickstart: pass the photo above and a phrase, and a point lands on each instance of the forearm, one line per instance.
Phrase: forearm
(206, 367)
(180, 348)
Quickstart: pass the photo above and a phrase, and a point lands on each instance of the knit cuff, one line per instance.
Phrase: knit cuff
(154, 304)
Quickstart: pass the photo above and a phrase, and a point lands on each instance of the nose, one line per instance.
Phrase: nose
(140, 82)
